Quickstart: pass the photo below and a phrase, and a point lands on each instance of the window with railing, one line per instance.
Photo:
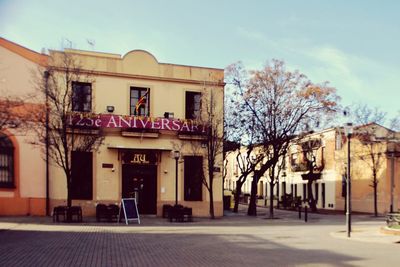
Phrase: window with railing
(81, 97)
(6, 162)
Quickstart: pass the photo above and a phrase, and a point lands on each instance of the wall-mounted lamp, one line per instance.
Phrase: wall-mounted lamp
(168, 115)
(110, 109)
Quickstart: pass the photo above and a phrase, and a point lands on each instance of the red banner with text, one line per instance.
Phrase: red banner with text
(133, 122)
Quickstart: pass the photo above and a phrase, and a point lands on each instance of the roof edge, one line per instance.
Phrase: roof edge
(24, 52)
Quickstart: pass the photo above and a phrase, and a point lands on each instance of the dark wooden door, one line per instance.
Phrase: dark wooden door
(141, 181)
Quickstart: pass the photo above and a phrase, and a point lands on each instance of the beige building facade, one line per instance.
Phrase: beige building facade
(22, 169)
(135, 160)
(146, 110)
(328, 151)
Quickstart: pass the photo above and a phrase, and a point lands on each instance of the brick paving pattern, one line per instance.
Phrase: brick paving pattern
(231, 241)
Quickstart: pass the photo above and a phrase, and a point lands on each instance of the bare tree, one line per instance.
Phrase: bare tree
(248, 155)
(373, 157)
(273, 179)
(58, 131)
(364, 114)
(7, 105)
(310, 148)
(10, 112)
(230, 146)
(282, 104)
(247, 159)
(395, 122)
(372, 152)
(211, 117)
(15, 111)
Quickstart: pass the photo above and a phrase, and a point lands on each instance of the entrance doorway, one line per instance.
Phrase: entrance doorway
(140, 182)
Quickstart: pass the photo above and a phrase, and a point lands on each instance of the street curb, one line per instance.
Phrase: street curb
(389, 231)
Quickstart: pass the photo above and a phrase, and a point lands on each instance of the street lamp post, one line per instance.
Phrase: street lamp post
(176, 155)
(348, 128)
(391, 155)
(46, 77)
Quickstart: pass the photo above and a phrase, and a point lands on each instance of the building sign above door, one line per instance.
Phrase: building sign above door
(133, 122)
(139, 157)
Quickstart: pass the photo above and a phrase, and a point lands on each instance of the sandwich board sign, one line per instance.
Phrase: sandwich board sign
(129, 209)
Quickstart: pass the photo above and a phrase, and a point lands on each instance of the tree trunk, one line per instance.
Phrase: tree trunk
(212, 205)
(375, 198)
(212, 216)
(311, 200)
(252, 210)
(277, 193)
(237, 195)
(271, 199)
(69, 199)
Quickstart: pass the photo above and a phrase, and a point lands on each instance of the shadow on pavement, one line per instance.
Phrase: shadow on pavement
(40, 248)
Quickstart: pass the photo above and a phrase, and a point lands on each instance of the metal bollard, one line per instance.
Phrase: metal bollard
(305, 214)
(299, 212)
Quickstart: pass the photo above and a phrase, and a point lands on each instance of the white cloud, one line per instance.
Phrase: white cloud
(357, 78)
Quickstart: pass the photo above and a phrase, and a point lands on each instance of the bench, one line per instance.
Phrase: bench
(393, 219)
(109, 213)
(68, 214)
(290, 202)
(296, 203)
(180, 214)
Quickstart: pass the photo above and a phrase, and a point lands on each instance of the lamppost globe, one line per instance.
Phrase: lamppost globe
(176, 154)
(348, 128)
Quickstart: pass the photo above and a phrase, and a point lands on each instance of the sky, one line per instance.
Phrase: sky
(352, 44)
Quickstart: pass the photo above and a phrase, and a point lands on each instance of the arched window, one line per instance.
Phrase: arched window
(6, 162)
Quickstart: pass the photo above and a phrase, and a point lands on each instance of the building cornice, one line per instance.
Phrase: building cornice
(147, 77)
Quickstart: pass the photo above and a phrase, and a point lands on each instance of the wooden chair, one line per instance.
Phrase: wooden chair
(101, 212)
(75, 211)
(60, 211)
(165, 210)
(112, 212)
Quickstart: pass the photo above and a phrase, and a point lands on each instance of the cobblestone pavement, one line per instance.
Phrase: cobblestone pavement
(234, 240)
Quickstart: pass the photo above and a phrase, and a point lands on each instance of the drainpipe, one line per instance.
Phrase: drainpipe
(391, 154)
(391, 182)
(46, 77)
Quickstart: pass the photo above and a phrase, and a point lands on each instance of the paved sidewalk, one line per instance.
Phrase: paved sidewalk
(234, 240)
(365, 227)
(373, 234)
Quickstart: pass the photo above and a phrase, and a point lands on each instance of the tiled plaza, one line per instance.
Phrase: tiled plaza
(234, 240)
